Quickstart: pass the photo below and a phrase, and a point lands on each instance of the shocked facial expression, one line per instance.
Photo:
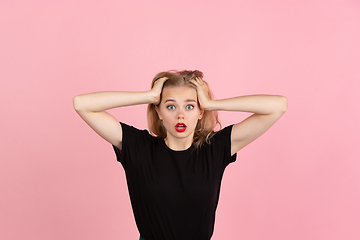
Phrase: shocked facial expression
(179, 110)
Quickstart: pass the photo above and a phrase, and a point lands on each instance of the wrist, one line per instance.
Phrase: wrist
(209, 105)
(152, 97)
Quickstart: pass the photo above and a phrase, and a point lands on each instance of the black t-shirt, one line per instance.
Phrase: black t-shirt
(174, 194)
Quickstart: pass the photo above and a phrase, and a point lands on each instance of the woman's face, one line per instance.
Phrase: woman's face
(179, 110)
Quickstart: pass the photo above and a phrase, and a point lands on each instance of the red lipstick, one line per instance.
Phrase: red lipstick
(180, 127)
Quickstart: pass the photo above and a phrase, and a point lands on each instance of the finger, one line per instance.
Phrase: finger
(193, 81)
(162, 78)
(200, 81)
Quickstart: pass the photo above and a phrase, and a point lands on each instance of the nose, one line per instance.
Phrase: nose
(181, 114)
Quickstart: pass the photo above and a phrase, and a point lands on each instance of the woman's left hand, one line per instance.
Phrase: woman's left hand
(202, 92)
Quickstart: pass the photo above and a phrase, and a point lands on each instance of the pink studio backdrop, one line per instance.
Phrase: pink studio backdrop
(300, 180)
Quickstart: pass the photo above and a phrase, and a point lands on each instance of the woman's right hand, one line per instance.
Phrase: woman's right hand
(157, 89)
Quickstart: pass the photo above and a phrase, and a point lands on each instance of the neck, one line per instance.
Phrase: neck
(178, 144)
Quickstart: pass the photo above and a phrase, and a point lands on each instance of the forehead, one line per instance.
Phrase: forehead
(179, 93)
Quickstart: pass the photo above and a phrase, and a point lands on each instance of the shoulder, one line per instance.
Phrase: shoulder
(133, 129)
(219, 139)
(219, 146)
(134, 142)
(223, 134)
(134, 134)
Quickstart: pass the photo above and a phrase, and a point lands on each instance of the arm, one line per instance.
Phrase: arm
(91, 108)
(267, 110)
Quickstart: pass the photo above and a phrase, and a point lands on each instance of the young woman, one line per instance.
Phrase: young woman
(174, 174)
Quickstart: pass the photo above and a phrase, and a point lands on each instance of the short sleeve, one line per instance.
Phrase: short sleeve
(133, 141)
(222, 139)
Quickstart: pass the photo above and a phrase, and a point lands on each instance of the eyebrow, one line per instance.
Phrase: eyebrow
(172, 100)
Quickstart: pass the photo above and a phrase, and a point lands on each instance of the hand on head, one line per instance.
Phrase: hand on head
(157, 88)
(202, 91)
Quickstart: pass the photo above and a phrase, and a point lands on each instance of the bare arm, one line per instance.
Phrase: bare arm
(267, 110)
(91, 108)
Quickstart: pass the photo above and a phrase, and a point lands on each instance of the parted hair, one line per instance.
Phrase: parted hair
(205, 126)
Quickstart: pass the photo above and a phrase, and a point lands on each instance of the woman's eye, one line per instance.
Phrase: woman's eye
(189, 107)
(171, 107)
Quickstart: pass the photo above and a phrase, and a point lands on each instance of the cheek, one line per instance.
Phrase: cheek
(198, 114)
(194, 119)
(167, 117)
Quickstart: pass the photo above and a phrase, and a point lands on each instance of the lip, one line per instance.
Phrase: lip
(180, 129)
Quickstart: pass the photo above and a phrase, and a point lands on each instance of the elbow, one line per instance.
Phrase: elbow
(77, 103)
(284, 104)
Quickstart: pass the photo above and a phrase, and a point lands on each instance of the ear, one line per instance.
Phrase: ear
(201, 114)
(158, 112)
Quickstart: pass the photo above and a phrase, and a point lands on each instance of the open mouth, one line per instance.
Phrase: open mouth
(180, 127)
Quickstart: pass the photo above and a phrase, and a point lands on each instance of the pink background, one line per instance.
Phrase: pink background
(300, 180)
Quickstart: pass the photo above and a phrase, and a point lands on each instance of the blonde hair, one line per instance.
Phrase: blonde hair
(204, 129)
